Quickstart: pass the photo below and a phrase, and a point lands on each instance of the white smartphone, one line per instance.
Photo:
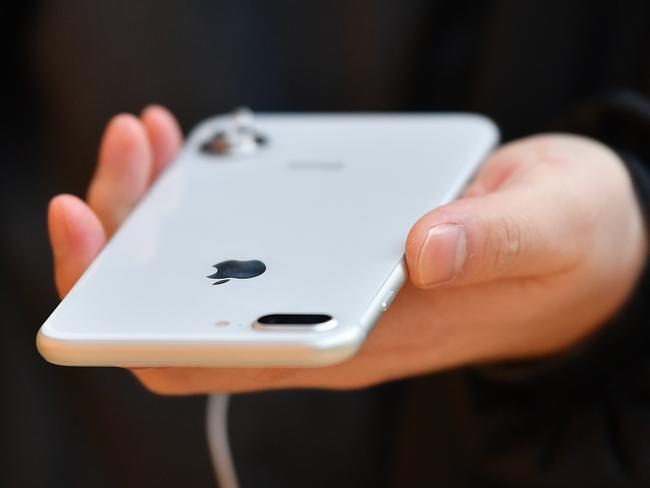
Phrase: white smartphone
(273, 241)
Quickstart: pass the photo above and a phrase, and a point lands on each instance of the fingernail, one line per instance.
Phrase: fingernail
(442, 254)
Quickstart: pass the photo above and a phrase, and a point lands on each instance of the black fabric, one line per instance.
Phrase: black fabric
(530, 66)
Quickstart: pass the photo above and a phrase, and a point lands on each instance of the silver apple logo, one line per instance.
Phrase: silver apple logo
(241, 270)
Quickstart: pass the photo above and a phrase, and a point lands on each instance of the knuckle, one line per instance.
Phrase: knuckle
(506, 243)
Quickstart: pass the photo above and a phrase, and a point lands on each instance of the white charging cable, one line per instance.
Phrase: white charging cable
(218, 441)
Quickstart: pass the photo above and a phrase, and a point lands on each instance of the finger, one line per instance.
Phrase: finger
(191, 380)
(526, 226)
(165, 136)
(123, 172)
(76, 236)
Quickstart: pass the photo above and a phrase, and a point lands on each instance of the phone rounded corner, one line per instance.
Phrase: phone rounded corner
(49, 347)
(488, 126)
(345, 356)
(340, 348)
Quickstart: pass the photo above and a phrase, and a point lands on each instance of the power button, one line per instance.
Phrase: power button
(388, 299)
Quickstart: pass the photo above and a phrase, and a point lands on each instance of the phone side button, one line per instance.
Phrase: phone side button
(388, 299)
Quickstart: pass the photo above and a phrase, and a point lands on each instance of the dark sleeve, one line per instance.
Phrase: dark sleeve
(584, 415)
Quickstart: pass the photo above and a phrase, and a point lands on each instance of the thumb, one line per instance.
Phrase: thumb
(510, 233)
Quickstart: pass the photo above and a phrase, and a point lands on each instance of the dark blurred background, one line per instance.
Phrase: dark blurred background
(70, 65)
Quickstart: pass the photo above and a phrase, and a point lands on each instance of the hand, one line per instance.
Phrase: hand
(545, 246)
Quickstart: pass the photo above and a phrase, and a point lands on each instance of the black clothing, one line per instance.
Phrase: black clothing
(581, 419)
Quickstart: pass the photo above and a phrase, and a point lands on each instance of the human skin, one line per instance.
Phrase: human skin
(545, 245)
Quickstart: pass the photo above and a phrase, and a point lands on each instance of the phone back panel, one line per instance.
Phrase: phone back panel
(326, 205)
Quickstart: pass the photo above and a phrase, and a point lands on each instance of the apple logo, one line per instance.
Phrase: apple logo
(241, 270)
